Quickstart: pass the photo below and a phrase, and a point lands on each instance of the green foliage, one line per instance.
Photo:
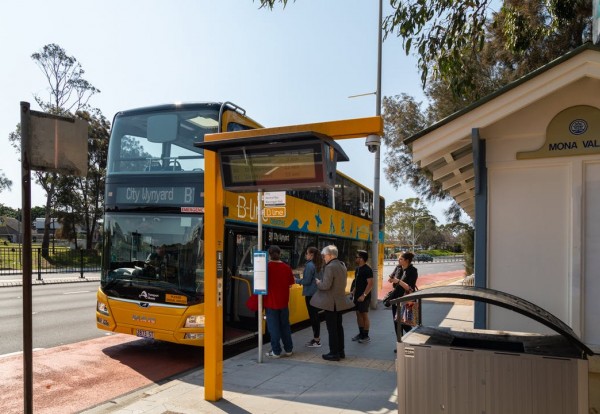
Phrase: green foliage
(9, 212)
(449, 36)
(80, 200)
(72, 258)
(400, 216)
(403, 117)
(468, 242)
(68, 90)
(519, 38)
(438, 252)
(271, 3)
(37, 212)
(11, 258)
(442, 32)
(5, 183)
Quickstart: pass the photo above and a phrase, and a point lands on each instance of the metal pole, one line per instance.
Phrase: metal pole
(375, 243)
(39, 263)
(27, 265)
(414, 239)
(413, 236)
(260, 297)
(81, 262)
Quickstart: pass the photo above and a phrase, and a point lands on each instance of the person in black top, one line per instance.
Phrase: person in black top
(404, 281)
(363, 283)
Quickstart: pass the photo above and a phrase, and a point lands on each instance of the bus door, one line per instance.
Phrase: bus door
(240, 322)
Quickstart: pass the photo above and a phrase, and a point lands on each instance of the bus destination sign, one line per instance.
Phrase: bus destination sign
(175, 196)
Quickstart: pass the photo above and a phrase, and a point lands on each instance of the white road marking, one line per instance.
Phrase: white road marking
(79, 291)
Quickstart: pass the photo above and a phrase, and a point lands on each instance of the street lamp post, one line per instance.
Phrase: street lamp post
(377, 163)
(413, 231)
(375, 243)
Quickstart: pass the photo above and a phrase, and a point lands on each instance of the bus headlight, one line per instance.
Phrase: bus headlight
(194, 321)
(102, 308)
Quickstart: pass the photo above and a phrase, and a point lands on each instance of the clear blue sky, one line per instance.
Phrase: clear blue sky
(285, 67)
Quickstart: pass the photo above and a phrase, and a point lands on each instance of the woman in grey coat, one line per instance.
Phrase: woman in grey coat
(331, 297)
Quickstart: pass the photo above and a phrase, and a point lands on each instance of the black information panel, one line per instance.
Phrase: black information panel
(293, 165)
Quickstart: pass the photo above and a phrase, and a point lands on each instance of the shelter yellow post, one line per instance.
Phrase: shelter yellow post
(213, 284)
(214, 232)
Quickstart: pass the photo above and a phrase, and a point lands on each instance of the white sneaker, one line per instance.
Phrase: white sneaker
(287, 354)
(271, 354)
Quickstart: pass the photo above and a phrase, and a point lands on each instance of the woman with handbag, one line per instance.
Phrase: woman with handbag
(404, 280)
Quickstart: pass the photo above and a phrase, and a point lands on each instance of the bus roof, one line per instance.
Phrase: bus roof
(167, 107)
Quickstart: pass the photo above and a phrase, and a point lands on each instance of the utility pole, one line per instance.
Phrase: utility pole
(376, 218)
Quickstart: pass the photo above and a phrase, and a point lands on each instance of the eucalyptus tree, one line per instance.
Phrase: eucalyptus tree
(448, 36)
(466, 51)
(80, 200)
(406, 220)
(5, 183)
(68, 92)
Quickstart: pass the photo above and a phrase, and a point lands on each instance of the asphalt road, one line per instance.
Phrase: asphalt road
(62, 314)
(426, 267)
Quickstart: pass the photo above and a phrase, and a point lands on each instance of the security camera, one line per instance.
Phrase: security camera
(373, 142)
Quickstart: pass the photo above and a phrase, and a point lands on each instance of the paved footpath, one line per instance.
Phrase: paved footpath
(50, 278)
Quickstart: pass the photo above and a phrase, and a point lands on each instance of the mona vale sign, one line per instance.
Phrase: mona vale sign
(573, 131)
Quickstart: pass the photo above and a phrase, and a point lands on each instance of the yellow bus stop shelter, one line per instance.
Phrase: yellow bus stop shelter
(214, 230)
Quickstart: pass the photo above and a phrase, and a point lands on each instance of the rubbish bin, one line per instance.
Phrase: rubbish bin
(464, 371)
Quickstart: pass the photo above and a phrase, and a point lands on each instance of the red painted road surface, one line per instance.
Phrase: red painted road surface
(71, 378)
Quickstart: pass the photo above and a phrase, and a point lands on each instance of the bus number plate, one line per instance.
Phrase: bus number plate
(142, 333)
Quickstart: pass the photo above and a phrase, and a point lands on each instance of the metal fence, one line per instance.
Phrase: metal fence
(59, 260)
(435, 259)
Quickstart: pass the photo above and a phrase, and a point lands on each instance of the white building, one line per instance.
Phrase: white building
(524, 164)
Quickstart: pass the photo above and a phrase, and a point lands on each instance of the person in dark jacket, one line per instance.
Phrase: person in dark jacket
(404, 281)
(313, 270)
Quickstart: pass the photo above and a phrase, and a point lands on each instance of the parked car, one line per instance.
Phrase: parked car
(423, 258)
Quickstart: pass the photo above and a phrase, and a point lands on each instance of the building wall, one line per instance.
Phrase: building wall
(544, 232)
(591, 252)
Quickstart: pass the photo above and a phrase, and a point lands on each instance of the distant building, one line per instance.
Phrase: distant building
(10, 229)
(38, 226)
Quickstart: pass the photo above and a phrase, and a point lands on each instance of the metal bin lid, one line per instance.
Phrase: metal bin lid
(504, 300)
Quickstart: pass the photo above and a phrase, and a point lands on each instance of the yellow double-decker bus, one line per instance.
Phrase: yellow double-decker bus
(152, 282)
